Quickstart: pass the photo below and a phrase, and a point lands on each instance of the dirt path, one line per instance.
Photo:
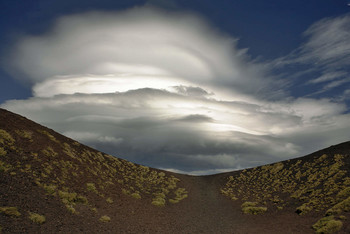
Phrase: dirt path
(210, 211)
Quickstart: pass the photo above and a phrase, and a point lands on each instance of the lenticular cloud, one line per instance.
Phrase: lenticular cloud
(139, 48)
(166, 90)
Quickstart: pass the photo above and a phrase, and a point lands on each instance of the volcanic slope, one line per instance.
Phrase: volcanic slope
(50, 183)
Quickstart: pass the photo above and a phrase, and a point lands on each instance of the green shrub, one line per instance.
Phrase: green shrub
(3, 152)
(91, 187)
(67, 197)
(340, 207)
(49, 135)
(249, 204)
(81, 199)
(71, 209)
(303, 209)
(344, 193)
(10, 211)
(25, 134)
(109, 200)
(4, 166)
(5, 137)
(36, 218)
(254, 210)
(105, 219)
(50, 189)
(327, 225)
(49, 152)
(136, 195)
(158, 201)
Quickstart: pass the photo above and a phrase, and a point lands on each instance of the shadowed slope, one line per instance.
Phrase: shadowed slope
(50, 183)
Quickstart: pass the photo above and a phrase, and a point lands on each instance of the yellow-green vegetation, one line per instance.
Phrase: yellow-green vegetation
(37, 218)
(91, 187)
(343, 206)
(4, 167)
(109, 200)
(57, 167)
(314, 184)
(3, 152)
(6, 138)
(180, 194)
(136, 195)
(158, 201)
(327, 225)
(252, 208)
(50, 189)
(51, 137)
(49, 152)
(70, 200)
(25, 134)
(105, 219)
(10, 211)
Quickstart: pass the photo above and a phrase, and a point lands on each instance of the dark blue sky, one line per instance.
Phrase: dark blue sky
(269, 28)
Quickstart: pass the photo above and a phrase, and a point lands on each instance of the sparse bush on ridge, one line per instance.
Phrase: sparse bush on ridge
(136, 195)
(6, 137)
(252, 208)
(51, 137)
(25, 134)
(327, 225)
(343, 206)
(105, 219)
(51, 169)
(91, 187)
(36, 218)
(3, 152)
(158, 200)
(109, 200)
(314, 183)
(4, 167)
(50, 189)
(49, 152)
(304, 208)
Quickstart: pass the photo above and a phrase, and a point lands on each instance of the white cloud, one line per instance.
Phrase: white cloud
(328, 76)
(114, 51)
(328, 42)
(326, 52)
(166, 90)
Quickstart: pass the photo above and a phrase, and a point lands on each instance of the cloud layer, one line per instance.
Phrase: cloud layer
(325, 56)
(166, 90)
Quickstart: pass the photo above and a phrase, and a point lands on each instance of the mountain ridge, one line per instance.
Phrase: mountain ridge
(51, 183)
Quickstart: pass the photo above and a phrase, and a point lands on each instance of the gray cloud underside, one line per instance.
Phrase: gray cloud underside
(166, 90)
(134, 126)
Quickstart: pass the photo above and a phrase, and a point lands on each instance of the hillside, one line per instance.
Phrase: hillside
(50, 183)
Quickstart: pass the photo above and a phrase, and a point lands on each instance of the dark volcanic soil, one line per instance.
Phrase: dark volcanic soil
(205, 210)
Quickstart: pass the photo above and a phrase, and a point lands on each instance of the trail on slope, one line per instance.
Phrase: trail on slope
(208, 211)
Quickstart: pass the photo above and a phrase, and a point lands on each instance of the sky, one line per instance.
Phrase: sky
(190, 86)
